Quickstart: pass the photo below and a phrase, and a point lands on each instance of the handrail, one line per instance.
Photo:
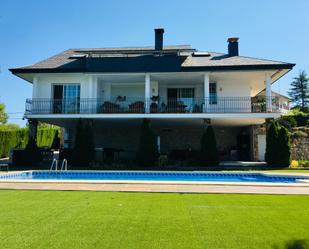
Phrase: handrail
(217, 104)
(64, 164)
(54, 163)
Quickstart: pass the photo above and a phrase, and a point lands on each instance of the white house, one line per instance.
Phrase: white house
(178, 88)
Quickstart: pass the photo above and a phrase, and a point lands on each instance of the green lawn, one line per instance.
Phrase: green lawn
(52, 219)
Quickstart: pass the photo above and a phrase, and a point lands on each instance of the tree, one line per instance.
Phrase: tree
(278, 147)
(147, 154)
(299, 91)
(3, 115)
(83, 150)
(284, 147)
(56, 141)
(271, 153)
(208, 150)
(32, 155)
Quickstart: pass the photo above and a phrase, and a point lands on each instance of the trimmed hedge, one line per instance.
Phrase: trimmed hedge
(147, 154)
(83, 150)
(296, 120)
(208, 152)
(278, 146)
(19, 138)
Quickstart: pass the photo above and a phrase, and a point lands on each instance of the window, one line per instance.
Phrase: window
(181, 98)
(213, 93)
(66, 98)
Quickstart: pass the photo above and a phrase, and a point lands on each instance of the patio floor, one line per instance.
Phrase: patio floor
(300, 189)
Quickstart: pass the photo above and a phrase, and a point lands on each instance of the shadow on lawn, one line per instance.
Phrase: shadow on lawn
(294, 244)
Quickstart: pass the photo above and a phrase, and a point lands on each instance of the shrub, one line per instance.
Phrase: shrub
(18, 138)
(147, 154)
(32, 155)
(12, 139)
(83, 150)
(278, 147)
(303, 163)
(163, 160)
(45, 136)
(294, 164)
(284, 147)
(271, 153)
(290, 119)
(299, 133)
(56, 141)
(208, 150)
(302, 119)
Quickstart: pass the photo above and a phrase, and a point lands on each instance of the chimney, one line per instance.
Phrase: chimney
(159, 39)
(233, 46)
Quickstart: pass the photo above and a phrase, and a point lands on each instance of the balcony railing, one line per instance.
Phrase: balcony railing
(139, 105)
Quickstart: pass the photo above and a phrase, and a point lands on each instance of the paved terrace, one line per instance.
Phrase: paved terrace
(162, 187)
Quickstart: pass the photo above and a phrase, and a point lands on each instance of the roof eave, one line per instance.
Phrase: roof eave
(183, 68)
(240, 67)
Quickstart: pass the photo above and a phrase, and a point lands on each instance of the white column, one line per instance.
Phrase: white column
(35, 87)
(87, 104)
(94, 86)
(206, 91)
(107, 87)
(35, 103)
(268, 93)
(91, 86)
(147, 93)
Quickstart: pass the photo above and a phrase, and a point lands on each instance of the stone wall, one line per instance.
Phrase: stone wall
(120, 137)
(255, 131)
(300, 145)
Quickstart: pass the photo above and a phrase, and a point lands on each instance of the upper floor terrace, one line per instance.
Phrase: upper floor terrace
(198, 92)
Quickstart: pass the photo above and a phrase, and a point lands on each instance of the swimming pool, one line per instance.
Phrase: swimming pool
(41, 175)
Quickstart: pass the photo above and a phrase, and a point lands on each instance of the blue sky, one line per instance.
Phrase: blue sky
(33, 30)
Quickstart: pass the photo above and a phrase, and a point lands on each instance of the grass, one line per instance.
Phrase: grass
(60, 219)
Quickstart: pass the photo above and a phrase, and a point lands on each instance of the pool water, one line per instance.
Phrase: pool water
(151, 176)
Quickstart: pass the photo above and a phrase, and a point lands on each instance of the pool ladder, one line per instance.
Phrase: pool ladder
(54, 165)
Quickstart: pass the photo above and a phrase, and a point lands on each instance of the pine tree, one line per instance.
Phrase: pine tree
(56, 141)
(32, 155)
(284, 147)
(271, 154)
(208, 150)
(147, 154)
(83, 150)
(299, 91)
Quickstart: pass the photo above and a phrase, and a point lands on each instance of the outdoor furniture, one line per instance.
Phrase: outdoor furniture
(154, 108)
(110, 154)
(109, 107)
(176, 107)
(137, 107)
(4, 166)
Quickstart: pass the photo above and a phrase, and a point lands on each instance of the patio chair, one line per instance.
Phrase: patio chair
(109, 107)
(137, 107)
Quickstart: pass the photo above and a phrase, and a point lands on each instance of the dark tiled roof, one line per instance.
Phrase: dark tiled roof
(145, 59)
(220, 59)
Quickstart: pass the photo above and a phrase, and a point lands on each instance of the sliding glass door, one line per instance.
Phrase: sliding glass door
(180, 99)
(66, 98)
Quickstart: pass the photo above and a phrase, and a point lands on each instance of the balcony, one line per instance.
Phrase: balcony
(139, 105)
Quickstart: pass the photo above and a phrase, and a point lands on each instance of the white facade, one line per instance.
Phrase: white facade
(234, 93)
